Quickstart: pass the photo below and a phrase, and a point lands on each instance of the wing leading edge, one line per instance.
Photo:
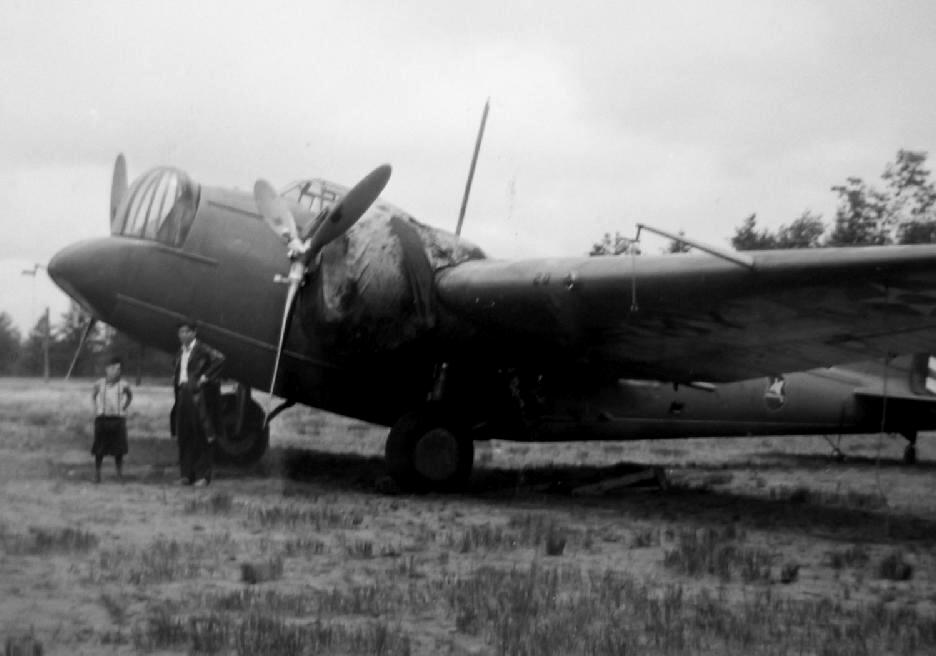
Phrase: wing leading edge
(694, 317)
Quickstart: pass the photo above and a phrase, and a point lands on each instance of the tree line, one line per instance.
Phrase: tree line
(26, 356)
(900, 209)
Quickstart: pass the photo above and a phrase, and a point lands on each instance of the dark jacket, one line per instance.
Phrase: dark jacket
(208, 362)
(203, 361)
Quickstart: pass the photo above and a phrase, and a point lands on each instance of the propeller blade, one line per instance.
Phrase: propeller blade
(296, 271)
(84, 337)
(118, 190)
(275, 211)
(350, 208)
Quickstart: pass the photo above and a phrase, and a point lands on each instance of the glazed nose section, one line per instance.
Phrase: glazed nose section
(88, 271)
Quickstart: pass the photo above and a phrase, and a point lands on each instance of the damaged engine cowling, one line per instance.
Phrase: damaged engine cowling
(373, 290)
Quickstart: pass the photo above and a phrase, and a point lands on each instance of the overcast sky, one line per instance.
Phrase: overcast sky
(683, 115)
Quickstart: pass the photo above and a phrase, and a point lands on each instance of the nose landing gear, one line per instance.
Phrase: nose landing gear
(245, 438)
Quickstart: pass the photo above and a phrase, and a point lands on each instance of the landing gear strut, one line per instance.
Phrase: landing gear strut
(910, 454)
(837, 454)
(426, 452)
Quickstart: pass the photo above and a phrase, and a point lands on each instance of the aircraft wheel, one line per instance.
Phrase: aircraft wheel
(248, 446)
(910, 455)
(424, 453)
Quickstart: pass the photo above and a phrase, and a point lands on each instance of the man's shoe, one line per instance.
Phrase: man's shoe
(201, 482)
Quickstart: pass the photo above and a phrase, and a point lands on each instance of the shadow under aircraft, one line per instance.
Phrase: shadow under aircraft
(332, 297)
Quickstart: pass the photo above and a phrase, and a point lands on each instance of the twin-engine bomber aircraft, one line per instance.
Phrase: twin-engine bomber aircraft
(350, 305)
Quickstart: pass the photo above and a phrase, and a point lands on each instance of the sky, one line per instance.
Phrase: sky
(684, 115)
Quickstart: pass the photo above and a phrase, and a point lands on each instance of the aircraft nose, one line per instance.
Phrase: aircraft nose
(86, 272)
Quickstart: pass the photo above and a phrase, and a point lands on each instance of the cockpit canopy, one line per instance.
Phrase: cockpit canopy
(160, 205)
(314, 195)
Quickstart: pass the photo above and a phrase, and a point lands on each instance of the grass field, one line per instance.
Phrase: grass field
(759, 546)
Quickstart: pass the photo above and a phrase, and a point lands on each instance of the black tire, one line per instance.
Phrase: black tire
(425, 453)
(248, 446)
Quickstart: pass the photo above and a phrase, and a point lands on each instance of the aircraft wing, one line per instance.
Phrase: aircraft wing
(697, 317)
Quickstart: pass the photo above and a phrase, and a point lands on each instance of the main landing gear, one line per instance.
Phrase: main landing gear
(910, 453)
(244, 438)
(427, 452)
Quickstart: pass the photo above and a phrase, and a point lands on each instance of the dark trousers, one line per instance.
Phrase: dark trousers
(194, 449)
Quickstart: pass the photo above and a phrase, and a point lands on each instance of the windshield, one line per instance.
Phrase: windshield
(160, 205)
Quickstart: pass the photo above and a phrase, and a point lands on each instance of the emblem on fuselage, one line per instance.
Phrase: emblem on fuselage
(775, 394)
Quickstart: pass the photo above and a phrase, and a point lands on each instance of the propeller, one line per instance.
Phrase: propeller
(275, 212)
(303, 250)
(118, 190)
(84, 337)
(350, 208)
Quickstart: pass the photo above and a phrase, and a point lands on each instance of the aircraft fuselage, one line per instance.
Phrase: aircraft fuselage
(365, 337)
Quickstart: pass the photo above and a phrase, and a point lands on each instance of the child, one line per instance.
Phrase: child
(111, 396)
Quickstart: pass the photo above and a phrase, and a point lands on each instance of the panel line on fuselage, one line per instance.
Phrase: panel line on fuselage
(224, 331)
(236, 210)
(197, 257)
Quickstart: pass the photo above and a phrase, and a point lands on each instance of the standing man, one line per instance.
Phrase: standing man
(193, 418)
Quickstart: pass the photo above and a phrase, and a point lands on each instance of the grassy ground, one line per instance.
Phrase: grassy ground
(760, 546)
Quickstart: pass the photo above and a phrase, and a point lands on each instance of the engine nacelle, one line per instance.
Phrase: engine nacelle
(374, 288)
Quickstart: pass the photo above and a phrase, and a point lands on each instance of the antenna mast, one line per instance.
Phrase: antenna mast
(471, 171)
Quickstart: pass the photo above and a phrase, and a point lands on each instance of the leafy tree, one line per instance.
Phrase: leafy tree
(747, 237)
(9, 344)
(104, 341)
(903, 210)
(917, 232)
(612, 246)
(676, 246)
(861, 218)
(912, 195)
(804, 232)
(912, 198)
(31, 356)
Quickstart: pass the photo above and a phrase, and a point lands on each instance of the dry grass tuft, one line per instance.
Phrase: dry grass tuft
(263, 571)
(563, 611)
(789, 572)
(854, 556)
(645, 537)
(522, 531)
(718, 552)
(116, 608)
(45, 541)
(319, 518)
(303, 547)
(263, 632)
(159, 562)
(555, 542)
(360, 549)
(851, 499)
(219, 503)
(22, 645)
